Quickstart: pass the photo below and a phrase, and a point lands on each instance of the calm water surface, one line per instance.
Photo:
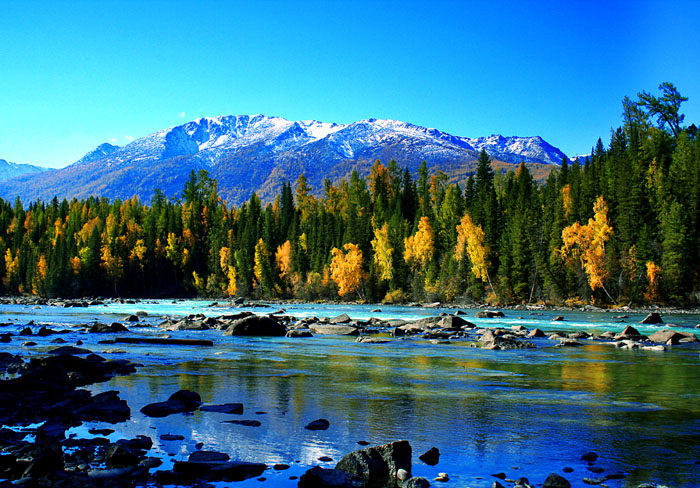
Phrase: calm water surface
(524, 413)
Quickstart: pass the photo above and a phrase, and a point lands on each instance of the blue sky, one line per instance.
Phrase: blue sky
(76, 74)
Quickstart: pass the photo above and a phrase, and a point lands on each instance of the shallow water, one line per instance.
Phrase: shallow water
(524, 413)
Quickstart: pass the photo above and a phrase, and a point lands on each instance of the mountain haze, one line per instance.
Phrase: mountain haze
(258, 153)
(11, 170)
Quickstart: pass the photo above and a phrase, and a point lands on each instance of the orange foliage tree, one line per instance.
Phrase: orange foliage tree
(420, 247)
(383, 253)
(588, 243)
(346, 269)
(471, 243)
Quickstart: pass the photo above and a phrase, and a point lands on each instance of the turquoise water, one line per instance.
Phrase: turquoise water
(524, 413)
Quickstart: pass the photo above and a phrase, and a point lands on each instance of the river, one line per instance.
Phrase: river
(524, 412)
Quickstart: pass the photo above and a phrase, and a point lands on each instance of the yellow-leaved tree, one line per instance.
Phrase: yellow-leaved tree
(383, 253)
(346, 269)
(471, 244)
(653, 282)
(283, 258)
(588, 243)
(420, 247)
(261, 267)
(226, 263)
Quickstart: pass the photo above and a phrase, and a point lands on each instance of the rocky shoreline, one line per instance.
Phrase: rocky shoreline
(43, 397)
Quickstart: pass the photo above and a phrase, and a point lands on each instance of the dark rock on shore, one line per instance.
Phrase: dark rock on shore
(179, 402)
(10, 363)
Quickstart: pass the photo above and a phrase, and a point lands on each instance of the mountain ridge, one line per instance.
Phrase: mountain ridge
(11, 170)
(247, 153)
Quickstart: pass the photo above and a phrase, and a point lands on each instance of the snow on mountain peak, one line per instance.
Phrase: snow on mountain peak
(208, 139)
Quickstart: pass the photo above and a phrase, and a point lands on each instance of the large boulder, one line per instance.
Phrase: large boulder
(666, 335)
(256, 325)
(652, 318)
(556, 481)
(489, 314)
(629, 332)
(343, 318)
(431, 457)
(378, 464)
(454, 322)
(321, 329)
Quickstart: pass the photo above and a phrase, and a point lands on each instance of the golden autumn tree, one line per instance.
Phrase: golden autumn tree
(588, 243)
(346, 269)
(471, 243)
(283, 258)
(567, 200)
(112, 266)
(39, 279)
(383, 253)
(420, 247)
(261, 268)
(653, 282)
(11, 277)
(226, 262)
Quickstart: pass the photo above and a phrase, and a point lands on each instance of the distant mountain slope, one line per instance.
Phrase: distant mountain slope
(258, 153)
(11, 170)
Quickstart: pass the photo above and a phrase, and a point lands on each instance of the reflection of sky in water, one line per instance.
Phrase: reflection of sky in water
(487, 411)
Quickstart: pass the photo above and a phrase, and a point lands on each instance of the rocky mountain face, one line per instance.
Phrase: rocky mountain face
(11, 170)
(258, 153)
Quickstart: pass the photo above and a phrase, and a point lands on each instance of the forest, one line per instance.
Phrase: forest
(618, 228)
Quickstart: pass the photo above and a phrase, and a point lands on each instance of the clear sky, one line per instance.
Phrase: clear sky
(78, 73)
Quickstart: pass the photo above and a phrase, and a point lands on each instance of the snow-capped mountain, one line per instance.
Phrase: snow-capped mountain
(11, 170)
(99, 152)
(258, 153)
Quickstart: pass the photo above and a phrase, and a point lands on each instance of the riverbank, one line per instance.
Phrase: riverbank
(31, 300)
(393, 359)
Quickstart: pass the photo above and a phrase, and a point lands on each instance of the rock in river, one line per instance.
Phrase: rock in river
(256, 325)
(653, 318)
(379, 464)
(431, 457)
(179, 402)
(556, 481)
(334, 329)
(329, 478)
(320, 424)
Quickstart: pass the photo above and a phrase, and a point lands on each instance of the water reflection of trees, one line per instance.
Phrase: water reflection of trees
(481, 405)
